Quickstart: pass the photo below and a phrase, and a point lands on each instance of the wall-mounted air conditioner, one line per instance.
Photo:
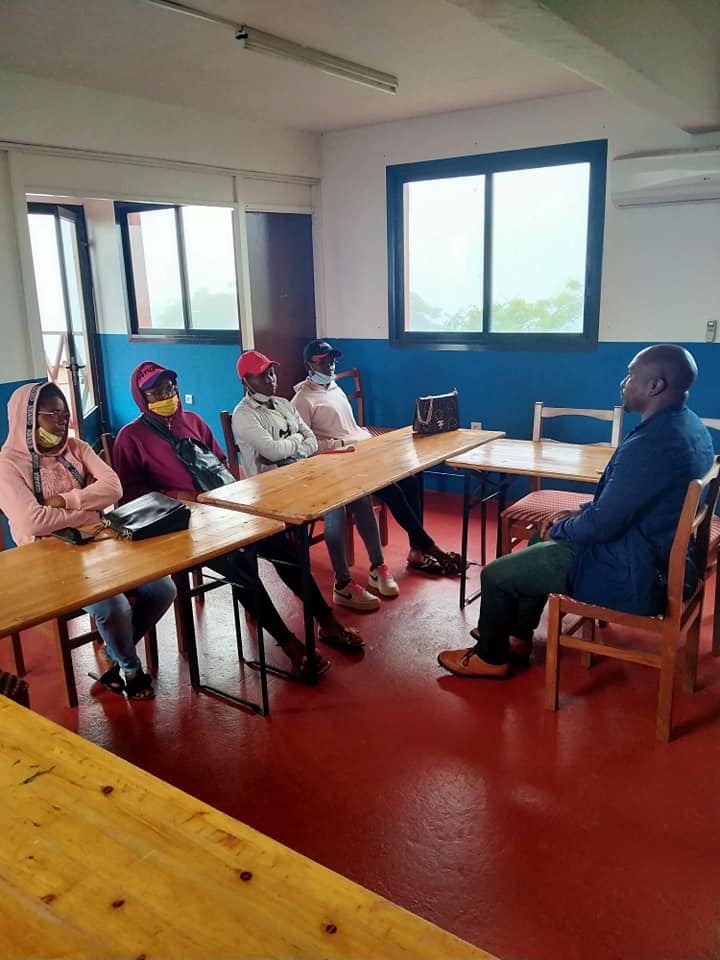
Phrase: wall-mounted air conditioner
(691, 176)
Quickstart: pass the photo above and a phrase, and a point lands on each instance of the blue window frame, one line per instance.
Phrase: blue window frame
(498, 251)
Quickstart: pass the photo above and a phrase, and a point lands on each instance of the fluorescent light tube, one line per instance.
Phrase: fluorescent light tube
(261, 42)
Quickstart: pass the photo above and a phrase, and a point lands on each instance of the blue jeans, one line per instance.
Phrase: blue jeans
(362, 511)
(121, 623)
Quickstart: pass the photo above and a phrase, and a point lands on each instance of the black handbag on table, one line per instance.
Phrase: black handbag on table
(205, 469)
(436, 414)
(148, 516)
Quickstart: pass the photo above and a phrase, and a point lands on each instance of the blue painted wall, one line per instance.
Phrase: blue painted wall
(497, 388)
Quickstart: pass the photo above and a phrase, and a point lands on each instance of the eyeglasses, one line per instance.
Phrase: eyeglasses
(162, 391)
(55, 414)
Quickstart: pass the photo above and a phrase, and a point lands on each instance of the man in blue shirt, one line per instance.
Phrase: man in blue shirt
(614, 550)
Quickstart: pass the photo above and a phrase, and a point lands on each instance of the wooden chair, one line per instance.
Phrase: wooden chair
(357, 397)
(66, 644)
(519, 520)
(14, 688)
(237, 471)
(713, 553)
(682, 617)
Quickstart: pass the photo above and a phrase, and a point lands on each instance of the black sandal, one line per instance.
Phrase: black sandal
(139, 687)
(111, 679)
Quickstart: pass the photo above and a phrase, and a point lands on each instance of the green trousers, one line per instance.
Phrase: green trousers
(515, 589)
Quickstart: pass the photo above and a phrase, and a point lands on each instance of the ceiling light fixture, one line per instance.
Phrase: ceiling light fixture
(261, 42)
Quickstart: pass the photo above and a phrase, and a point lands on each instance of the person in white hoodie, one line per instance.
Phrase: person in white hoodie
(270, 433)
(326, 409)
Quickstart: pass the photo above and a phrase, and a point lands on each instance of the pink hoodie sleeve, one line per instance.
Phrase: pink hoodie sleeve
(102, 491)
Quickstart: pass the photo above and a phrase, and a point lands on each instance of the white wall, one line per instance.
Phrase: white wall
(34, 110)
(660, 275)
(136, 149)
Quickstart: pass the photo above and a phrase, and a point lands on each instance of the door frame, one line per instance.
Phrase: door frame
(94, 353)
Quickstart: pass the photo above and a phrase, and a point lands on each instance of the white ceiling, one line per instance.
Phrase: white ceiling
(445, 58)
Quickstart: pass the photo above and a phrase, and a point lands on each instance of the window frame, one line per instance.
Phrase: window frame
(593, 152)
(168, 334)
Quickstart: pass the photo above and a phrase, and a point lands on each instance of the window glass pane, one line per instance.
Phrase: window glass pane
(210, 258)
(154, 251)
(73, 280)
(539, 249)
(444, 254)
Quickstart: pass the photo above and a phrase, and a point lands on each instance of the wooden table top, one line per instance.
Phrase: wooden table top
(101, 859)
(304, 491)
(47, 578)
(584, 463)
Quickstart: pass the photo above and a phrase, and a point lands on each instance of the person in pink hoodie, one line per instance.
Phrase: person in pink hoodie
(325, 408)
(49, 480)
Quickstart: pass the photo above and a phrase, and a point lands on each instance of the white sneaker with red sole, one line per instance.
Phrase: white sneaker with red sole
(382, 582)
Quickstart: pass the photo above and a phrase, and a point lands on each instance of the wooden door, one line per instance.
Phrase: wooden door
(282, 288)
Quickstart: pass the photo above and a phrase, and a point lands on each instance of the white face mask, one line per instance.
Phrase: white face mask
(323, 379)
(260, 397)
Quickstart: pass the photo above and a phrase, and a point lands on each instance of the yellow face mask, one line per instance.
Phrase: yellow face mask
(47, 440)
(164, 408)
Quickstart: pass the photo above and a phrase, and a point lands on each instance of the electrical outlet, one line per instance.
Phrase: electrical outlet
(710, 330)
(189, 399)
(476, 425)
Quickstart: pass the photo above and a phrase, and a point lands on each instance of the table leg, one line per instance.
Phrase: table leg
(182, 582)
(464, 539)
(309, 624)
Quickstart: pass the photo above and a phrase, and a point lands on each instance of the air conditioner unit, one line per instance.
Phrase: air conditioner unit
(692, 176)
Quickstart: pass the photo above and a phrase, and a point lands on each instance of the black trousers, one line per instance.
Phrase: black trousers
(281, 552)
(403, 500)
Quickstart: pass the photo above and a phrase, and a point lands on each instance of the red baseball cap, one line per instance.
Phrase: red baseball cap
(253, 362)
(149, 373)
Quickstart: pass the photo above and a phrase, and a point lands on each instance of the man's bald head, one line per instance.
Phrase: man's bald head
(658, 377)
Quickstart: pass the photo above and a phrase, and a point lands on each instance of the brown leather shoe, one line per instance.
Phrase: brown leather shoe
(466, 663)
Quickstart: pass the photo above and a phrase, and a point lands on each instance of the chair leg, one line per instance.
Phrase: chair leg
(383, 525)
(17, 660)
(151, 650)
(588, 632)
(505, 537)
(196, 580)
(66, 664)
(663, 722)
(349, 538)
(552, 658)
(179, 625)
(691, 655)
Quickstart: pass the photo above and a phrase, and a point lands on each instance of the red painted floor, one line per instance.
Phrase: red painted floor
(528, 833)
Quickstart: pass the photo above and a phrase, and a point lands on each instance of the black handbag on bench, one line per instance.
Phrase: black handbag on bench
(148, 516)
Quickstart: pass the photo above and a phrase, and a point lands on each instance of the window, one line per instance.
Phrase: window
(501, 250)
(180, 271)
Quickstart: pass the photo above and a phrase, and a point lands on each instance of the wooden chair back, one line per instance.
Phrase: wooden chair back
(356, 395)
(682, 616)
(542, 413)
(230, 445)
(614, 417)
(714, 554)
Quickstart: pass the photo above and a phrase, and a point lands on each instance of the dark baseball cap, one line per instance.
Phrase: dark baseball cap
(319, 350)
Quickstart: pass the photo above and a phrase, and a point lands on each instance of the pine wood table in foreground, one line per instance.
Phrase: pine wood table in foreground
(100, 859)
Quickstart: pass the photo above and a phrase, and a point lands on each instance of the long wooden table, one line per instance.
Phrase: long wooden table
(100, 859)
(47, 578)
(302, 492)
(547, 459)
